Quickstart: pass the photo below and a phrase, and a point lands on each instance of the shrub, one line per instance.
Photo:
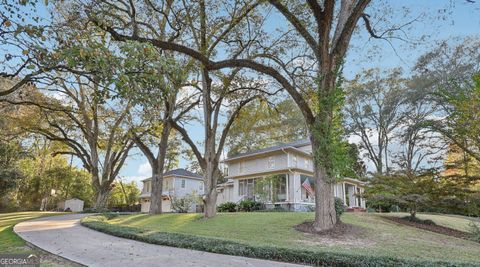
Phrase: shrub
(227, 207)
(184, 204)
(94, 210)
(249, 205)
(417, 220)
(215, 245)
(110, 215)
(339, 207)
(474, 231)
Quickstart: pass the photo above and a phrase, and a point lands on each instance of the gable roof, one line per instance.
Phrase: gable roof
(180, 173)
(295, 144)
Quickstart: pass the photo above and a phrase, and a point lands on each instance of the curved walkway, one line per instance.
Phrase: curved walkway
(64, 236)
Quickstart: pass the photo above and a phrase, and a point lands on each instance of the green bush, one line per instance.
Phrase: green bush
(227, 207)
(94, 210)
(417, 220)
(185, 203)
(215, 245)
(110, 215)
(339, 207)
(249, 205)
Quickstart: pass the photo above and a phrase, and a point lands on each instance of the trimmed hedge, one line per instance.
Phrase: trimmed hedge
(227, 207)
(248, 205)
(98, 222)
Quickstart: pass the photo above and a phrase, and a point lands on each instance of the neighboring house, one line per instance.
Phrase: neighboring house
(289, 170)
(176, 183)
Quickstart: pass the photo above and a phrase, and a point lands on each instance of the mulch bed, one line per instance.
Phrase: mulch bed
(429, 227)
(340, 230)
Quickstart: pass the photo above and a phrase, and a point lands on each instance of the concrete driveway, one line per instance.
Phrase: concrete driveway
(64, 236)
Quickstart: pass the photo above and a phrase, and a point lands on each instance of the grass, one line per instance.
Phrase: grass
(379, 237)
(457, 222)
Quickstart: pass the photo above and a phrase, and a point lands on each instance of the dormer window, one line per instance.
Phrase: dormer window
(271, 163)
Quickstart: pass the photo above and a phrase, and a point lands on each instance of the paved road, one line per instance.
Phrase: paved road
(63, 235)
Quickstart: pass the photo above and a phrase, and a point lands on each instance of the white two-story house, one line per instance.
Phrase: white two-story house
(176, 183)
(277, 175)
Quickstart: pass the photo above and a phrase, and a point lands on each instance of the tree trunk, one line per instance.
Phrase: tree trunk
(210, 202)
(210, 195)
(413, 212)
(159, 167)
(325, 215)
(157, 191)
(322, 138)
(124, 193)
(101, 197)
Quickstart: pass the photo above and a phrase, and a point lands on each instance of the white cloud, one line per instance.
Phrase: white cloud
(354, 139)
(145, 169)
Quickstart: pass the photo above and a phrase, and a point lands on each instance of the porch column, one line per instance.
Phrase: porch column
(354, 195)
(344, 194)
(296, 188)
(363, 200)
(287, 191)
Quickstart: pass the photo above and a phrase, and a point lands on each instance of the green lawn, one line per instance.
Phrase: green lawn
(378, 236)
(457, 222)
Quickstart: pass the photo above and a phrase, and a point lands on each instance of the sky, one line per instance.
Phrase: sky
(436, 21)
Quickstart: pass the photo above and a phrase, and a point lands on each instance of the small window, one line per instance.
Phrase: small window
(200, 187)
(183, 183)
(271, 163)
(294, 161)
(307, 163)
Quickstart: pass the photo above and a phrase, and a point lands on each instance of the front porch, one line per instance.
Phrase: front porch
(287, 190)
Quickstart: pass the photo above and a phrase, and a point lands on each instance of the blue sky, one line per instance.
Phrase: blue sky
(460, 19)
(438, 20)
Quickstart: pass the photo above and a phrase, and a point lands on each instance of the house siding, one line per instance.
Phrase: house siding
(172, 186)
(261, 164)
(291, 161)
(256, 165)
